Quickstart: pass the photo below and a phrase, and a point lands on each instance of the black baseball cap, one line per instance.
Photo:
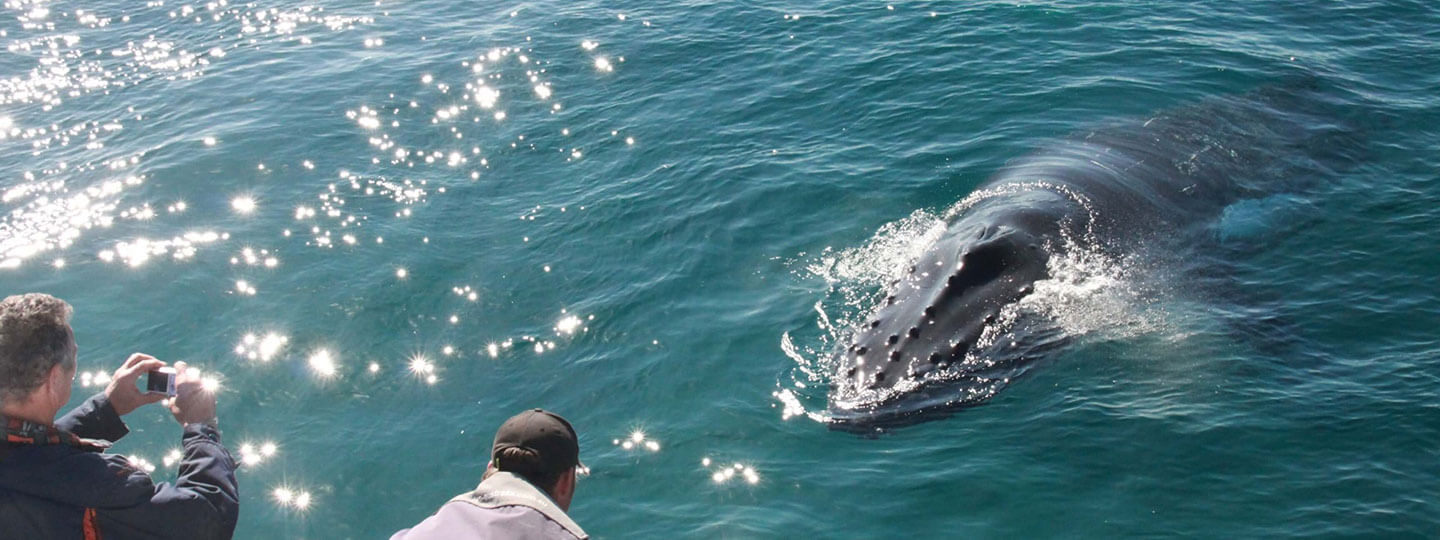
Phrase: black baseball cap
(545, 433)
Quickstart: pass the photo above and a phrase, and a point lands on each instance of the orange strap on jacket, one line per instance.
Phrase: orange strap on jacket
(91, 526)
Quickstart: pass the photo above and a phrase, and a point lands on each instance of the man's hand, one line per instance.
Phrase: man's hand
(123, 394)
(192, 404)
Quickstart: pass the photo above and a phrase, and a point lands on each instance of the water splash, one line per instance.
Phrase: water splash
(1090, 294)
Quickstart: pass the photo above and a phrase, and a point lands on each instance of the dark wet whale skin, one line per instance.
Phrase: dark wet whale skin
(1112, 189)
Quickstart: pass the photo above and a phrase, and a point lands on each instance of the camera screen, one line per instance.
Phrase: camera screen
(160, 381)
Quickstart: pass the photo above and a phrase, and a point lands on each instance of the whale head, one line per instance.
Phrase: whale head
(910, 356)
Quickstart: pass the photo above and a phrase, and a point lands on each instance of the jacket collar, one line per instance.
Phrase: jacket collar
(18, 432)
(508, 489)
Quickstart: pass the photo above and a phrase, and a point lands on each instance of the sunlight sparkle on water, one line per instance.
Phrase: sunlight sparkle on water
(724, 475)
(467, 292)
(253, 455)
(291, 498)
(46, 214)
(251, 257)
(603, 64)
(486, 97)
(243, 204)
(322, 362)
(568, 325)
(638, 439)
(261, 348)
(422, 367)
(138, 251)
(367, 118)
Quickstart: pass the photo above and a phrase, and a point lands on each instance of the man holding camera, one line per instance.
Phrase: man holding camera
(55, 482)
(526, 489)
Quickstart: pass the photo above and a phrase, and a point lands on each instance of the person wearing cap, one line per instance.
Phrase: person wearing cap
(526, 489)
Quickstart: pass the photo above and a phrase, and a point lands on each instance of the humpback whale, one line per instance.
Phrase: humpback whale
(935, 343)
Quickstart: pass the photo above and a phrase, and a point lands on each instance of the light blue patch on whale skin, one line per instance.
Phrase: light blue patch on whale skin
(1256, 220)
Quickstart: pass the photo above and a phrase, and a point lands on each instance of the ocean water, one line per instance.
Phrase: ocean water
(384, 227)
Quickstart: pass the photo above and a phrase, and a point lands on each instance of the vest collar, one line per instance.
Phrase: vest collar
(508, 489)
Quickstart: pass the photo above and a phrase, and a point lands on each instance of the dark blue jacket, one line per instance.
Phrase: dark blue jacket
(65, 491)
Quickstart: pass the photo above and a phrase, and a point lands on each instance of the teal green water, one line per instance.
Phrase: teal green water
(668, 213)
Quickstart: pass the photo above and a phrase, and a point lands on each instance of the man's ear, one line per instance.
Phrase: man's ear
(564, 490)
(57, 383)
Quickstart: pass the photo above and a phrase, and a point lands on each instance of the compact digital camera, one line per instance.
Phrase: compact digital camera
(161, 380)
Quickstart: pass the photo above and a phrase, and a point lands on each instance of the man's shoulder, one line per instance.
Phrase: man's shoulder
(502, 506)
(457, 519)
(57, 463)
(72, 476)
(513, 498)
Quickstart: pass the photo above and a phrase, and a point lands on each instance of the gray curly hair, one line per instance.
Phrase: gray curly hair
(35, 336)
